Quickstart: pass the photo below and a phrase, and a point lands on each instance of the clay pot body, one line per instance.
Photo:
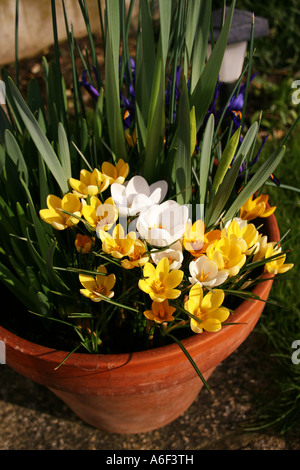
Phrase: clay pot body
(139, 392)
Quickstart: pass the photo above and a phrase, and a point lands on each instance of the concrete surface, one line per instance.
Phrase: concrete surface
(32, 418)
(36, 28)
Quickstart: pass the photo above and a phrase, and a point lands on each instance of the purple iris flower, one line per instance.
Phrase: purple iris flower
(92, 90)
(128, 101)
(169, 89)
(236, 104)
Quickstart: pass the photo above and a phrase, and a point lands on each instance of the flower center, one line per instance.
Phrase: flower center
(202, 276)
(157, 286)
(101, 290)
(161, 312)
(199, 314)
(157, 226)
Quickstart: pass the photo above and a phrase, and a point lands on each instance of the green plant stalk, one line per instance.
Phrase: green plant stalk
(17, 42)
(189, 357)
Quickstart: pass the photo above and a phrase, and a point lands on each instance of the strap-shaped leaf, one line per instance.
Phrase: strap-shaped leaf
(42, 143)
(40, 233)
(112, 91)
(226, 160)
(193, 130)
(4, 124)
(201, 39)
(205, 158)
(64, 151)
(15, 154)
(165, 11)
(156, 122)
(193, 10)
(256, 182)
(223, 193)
(204, 89)
(12, 105)
(145, 60)
(183, 154)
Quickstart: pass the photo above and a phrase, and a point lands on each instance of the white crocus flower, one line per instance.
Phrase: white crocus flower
(173, 253)
(136, 195)
(205, 272)
(163, 224)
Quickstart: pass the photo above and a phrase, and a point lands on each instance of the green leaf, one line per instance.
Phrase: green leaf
(98, 116)
(39, 231)
(35, 255)
(8, 220)
(193, 9)
(193, 130)
(256, 182)
(34, 97)
(165, 14)
(54, 280)
(226, 160)
(32, 279)
(205, 158)
(64, 151)
(224, 191)
(201, 39)
(18, 254)
(183, 153)
(145, 61)
(15, 154)
(189, 357)
(4, 124)
(205, 87)
(220, 199)
(156, 123)
(12, 105)
(248, 140)
(39, 138)
(140, 129)
(113, 112)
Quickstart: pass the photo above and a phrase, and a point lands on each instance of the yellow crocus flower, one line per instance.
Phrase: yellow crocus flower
(160, 312)
(100, 215)
(276, 265)
(100, 284)
(196, 240)
(159, 283)
(115, 174)
(83, 243)
(227, 255)
(117, 245)
(207, 309)
(90, 183)
(257, 207)
(130, 139)
(246, 235)
(138, 257)
(55, 214)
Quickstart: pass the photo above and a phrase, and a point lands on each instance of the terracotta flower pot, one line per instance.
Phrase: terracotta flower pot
(139, 392)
